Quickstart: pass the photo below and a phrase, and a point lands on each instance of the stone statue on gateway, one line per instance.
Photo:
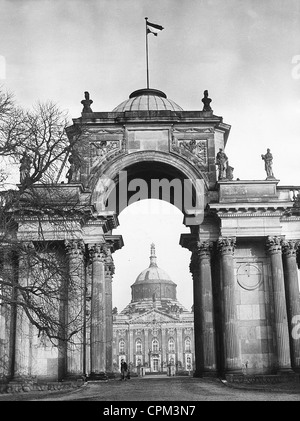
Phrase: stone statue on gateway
(268, 158)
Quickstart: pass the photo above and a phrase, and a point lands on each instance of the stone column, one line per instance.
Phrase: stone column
(98, 319)
(280, 312)
(88, 296)
(23, 334)
(179, 345)
(146, 346)
(75, 305)
(205, 350)
(207, 308)
(199, 358)
(8, 313)
(130, 345)
(232, 358)
(163, 345)
(109, 271)
(289, 249)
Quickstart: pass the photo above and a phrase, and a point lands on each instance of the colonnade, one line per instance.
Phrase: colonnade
(286, 304)
(212, 268)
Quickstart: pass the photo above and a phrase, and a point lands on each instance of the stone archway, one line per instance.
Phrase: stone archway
(164, 143)
(150, 175)
(149, 136)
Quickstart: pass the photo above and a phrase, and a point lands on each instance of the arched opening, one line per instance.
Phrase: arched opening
(153, 325)
(142, 223)
(137, 181)
(151, 175)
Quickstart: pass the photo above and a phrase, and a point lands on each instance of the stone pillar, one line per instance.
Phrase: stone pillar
(199, 358)
(280, 312)
(88, 296)
(179, 345)
(7, 313)
(130, 345)
(109, 271)
(232, 358)
(204, 330)
(23, 334)
(75, 313)
(289, 249)
(207, 308)
(146, 346)
(163, 345)
(98, 319)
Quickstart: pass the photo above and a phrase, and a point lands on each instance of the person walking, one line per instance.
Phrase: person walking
(124, 370)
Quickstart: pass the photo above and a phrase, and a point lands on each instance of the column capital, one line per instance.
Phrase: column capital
(290, 247)
(109, 265)
(273, 244)
(74, 247)
(200, 250)
(226, 245)
(204, 249)
(194, 263)
(97, 251)
(27, 245)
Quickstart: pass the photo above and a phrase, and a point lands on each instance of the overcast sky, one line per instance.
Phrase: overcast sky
(246, 53)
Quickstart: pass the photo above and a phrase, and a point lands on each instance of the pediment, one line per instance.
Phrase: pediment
(153, 316)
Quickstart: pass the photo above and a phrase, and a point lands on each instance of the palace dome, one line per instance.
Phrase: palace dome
(147, 99)
(153, 274)
(153, 282)
(153, 288)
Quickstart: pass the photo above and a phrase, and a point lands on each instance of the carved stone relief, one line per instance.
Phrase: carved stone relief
(194, 149)
(249, 275)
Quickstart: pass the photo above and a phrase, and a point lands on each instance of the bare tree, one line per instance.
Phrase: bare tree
(34, 276)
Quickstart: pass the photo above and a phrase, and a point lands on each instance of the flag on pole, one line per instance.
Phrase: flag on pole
(153, 28)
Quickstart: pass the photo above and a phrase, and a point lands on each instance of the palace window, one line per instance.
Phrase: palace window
(155, 345)
(171, 345)
(122, 346)
(155, 364)
(138, 346)
(187, 345)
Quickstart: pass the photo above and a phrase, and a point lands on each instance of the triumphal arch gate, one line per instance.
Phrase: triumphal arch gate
(243, 238)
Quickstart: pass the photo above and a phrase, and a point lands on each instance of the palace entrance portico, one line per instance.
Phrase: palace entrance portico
(244, 239)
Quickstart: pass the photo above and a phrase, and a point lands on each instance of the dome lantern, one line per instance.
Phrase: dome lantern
(152, 256)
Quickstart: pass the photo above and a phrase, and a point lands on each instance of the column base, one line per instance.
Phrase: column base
(73, 377)
(207, 373)
(101, 376)
(285, 372)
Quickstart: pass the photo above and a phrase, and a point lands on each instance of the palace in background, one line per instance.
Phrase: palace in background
(154, 333)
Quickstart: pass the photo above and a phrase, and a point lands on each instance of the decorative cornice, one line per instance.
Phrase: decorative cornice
(242, 210)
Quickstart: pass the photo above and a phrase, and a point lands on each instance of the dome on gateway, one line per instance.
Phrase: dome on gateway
(147, 100)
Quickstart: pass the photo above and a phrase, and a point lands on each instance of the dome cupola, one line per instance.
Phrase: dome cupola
(153, 282)
(147, 99)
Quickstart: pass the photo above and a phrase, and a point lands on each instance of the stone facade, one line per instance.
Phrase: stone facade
(244, 244)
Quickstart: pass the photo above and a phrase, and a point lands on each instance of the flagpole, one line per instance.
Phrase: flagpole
(147, 55)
